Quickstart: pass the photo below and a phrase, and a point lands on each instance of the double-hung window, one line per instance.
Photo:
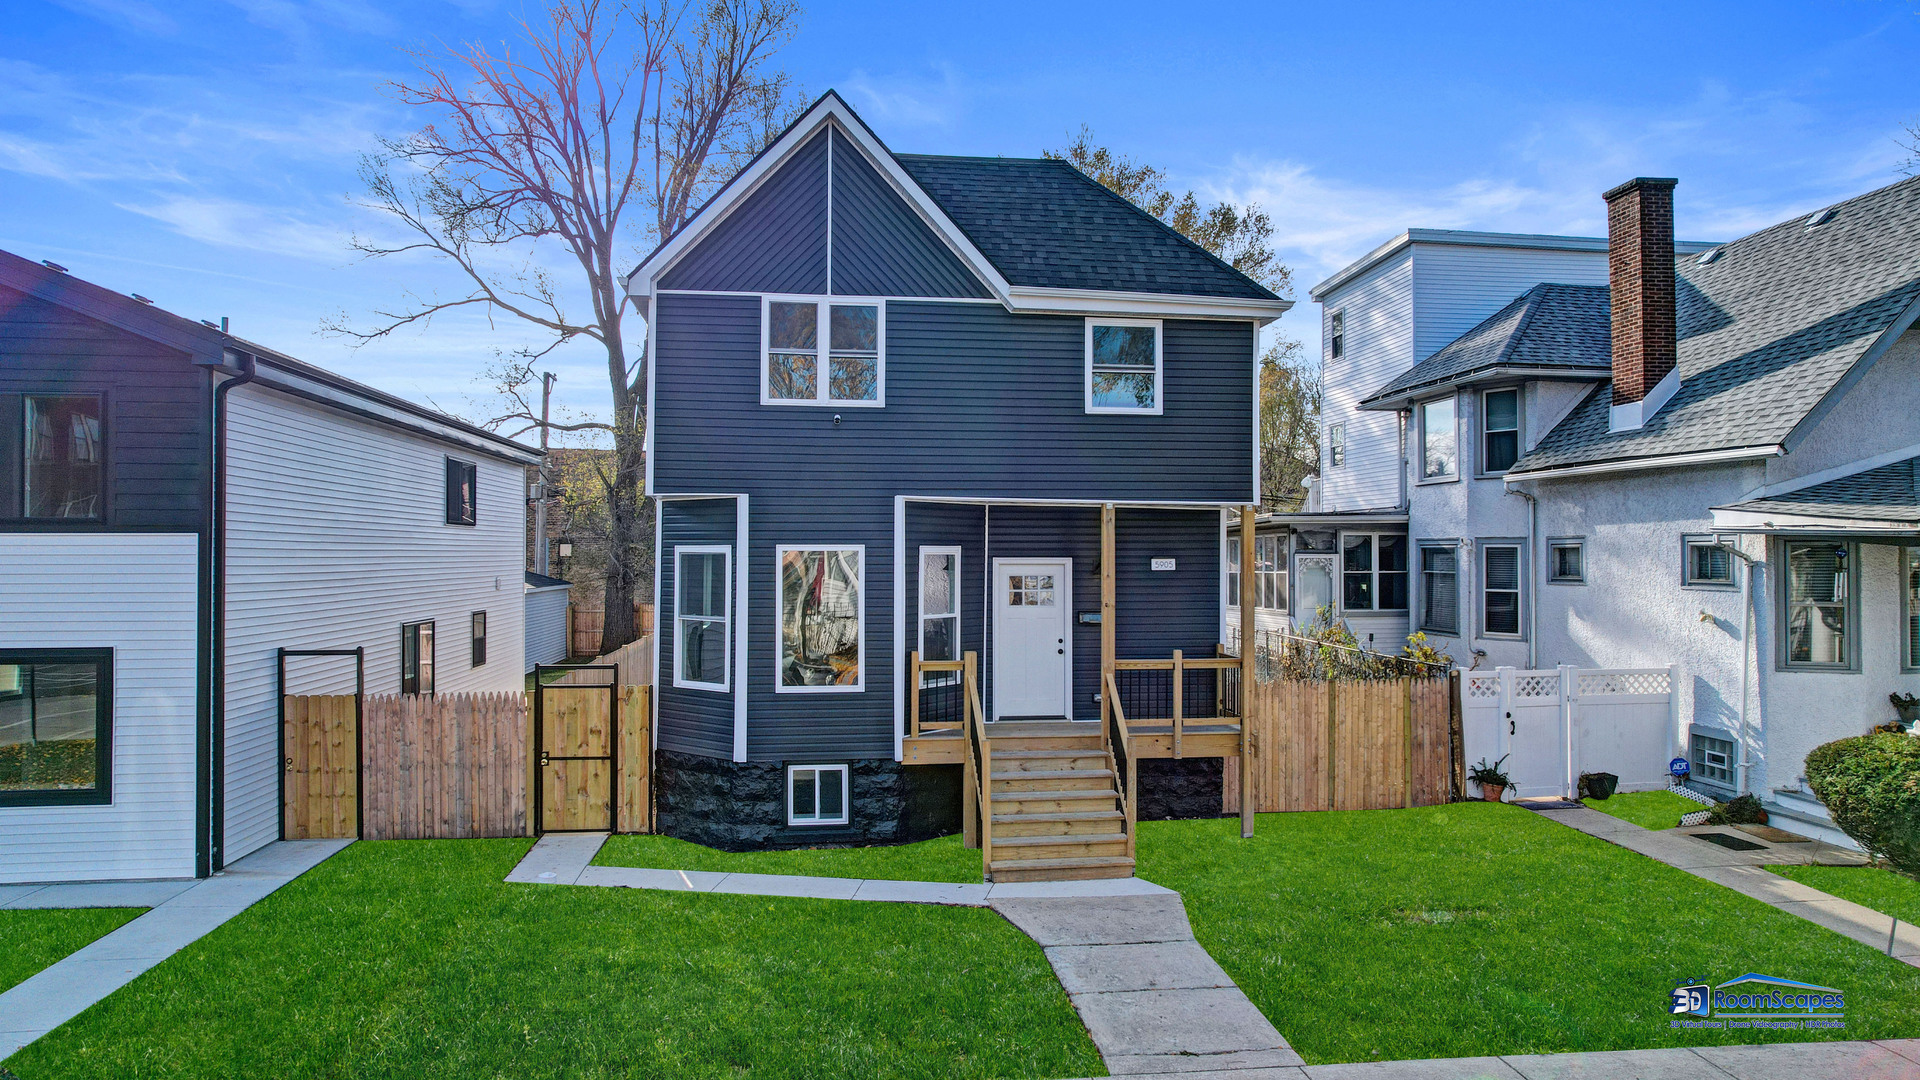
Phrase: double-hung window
(1439, 589)
(821, 619)
(816, 794)
(63, 454)
(1439, 441)
(416, 658)
(702, 597)
(1123, 366)
(1336, 445)
(1270, 574)
(1373, 572)
(1910, 578)
(1709, 563)
(1336, 335)
(479, 638)
(1499, 430)
(823, 351)
(462, 499)
(940, 609)
(1820, 613)
(56, 715)
(1500, 589)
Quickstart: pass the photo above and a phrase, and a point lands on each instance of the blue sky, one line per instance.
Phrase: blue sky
(203, 152)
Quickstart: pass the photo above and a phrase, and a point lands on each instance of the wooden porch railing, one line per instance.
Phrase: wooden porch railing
(950, 710)
(977, 784)
(1120, 741)
(1179, 691)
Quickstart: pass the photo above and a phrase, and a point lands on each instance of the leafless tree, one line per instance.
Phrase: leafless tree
(1909, 140)
(605, 132)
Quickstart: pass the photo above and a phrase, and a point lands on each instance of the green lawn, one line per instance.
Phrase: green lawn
(32, 939)
(1873, 886)
(944, 859)
(1477, 928)
(411, 958)
(1647, 809)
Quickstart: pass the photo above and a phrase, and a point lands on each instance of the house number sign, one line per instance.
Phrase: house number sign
(1163, 564)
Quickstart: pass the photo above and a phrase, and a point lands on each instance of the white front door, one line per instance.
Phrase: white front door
(1032, 639)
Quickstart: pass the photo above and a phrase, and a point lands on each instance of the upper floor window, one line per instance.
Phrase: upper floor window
(1123, 366)
(1374, 572)
(1499, 430)
(1336, 335)
(1439, 443)
(823, 351)
(1336, 445)
(63, 454)
(462, 481)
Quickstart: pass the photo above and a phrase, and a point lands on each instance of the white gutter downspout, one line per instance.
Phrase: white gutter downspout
(1532, 596)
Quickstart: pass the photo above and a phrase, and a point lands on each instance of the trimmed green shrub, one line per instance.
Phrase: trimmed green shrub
(1871, 785)
(1743, 810)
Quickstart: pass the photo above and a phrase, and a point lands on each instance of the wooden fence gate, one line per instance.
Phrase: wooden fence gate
(1354, 744)
(321, 798)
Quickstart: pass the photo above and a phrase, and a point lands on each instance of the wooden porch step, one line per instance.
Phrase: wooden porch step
(1059, 847)
(1017, 743)
(1041, 760)
(1052, 780)
(1098, 866)
(1078, 823)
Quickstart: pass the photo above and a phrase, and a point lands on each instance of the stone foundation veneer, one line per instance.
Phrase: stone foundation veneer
(1173, 789)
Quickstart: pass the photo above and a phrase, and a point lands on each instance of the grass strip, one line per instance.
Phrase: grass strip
(1870, 886)
(942, 859)
(33, 938)
(1647, 809)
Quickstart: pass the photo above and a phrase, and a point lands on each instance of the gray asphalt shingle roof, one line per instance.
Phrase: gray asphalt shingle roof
(1888, 493)
(1548, 326)
(1043, 223)
(1767, 329)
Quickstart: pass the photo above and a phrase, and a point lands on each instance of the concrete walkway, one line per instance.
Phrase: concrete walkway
(63, 991)
(1742, 871)
(566, 859)
(92, 894)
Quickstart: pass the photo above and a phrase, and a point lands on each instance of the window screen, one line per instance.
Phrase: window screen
(1500, 593)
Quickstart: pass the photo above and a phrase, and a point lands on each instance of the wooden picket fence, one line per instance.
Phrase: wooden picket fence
(634, 659)
(584, 626)
(1347, 745)
(445, 766)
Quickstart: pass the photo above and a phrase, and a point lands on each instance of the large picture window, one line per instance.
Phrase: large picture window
(1819, 604)
(63, 456)
(1499, 430)
(1439, 441)
(820, 351)
(56, 709)
(1440, 590)
(416, 658)
(940, 608)
(1123, 366)
(1500, 597)
(1373, 572)
(702, 596)
(821, 619)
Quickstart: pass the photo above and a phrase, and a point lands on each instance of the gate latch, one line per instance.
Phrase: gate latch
(289, 764)
(543, 759)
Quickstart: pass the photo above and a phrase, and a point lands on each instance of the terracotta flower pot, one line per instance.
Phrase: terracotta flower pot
(1492, 792)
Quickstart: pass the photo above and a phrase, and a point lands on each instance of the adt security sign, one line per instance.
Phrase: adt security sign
(1679, 768)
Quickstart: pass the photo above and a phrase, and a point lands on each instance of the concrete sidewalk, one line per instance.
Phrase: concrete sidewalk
(93, 894)
(1742, 872)
(63, 991)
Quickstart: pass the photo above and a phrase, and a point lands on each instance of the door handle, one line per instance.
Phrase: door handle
(1510, 729)
(543, 759)
(1061, 652)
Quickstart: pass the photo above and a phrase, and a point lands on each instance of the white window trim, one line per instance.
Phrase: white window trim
(725, 685)
(1480, 591)
(1557, 542)
(780, 618)
(1480, 428)
(846, 795)
(920, 600)
(1373, 541)
(1159, 382)
(1687, 580)
(1420, 424)
(1337, 435)
(823, 348)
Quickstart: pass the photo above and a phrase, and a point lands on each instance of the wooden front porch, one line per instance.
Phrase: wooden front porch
(1063, 795)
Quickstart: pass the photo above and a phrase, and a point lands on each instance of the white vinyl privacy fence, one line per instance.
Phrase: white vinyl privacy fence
(1552, 726)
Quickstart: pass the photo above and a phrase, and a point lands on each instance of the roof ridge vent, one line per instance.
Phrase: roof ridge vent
(1820, 217)
(1709, 255)
(51, 265)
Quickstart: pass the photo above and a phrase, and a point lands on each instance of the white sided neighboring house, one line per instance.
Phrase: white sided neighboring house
(178, 506)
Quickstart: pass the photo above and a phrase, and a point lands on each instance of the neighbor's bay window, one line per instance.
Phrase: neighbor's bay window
(702, 595)
(63, 454)
(56, 709)
(821, 619)
(1439, 441)
(1123, 366)
(1819, 603)
(1269, 574)
(1373, 572)
(820, 351)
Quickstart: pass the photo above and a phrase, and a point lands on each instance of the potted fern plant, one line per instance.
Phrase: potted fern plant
(1492, 779)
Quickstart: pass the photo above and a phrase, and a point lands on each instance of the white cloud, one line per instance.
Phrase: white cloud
(136, 14)
(243, 226)
(935, 99)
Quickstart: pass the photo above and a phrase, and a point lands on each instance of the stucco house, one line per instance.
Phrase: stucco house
(1634, 452)
(178, 505)
(903, 404)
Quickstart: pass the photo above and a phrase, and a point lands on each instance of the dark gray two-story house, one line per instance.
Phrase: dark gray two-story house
(892, 399)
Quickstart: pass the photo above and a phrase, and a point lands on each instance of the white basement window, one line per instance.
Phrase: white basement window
(1712, 759)
(1123, 366)
(821, 619)
(820, 351)
(702, 598)
(816, 794)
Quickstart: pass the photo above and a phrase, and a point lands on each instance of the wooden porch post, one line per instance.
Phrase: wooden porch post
(1246, 671)
(1106, 613)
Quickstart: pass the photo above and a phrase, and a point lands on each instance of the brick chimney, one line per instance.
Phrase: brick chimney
(1640, 278)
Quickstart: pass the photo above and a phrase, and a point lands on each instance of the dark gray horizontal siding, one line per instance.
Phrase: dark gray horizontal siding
(691, 721)
(157, 411)
(980, 402)
(774, 241)
(880, 246)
